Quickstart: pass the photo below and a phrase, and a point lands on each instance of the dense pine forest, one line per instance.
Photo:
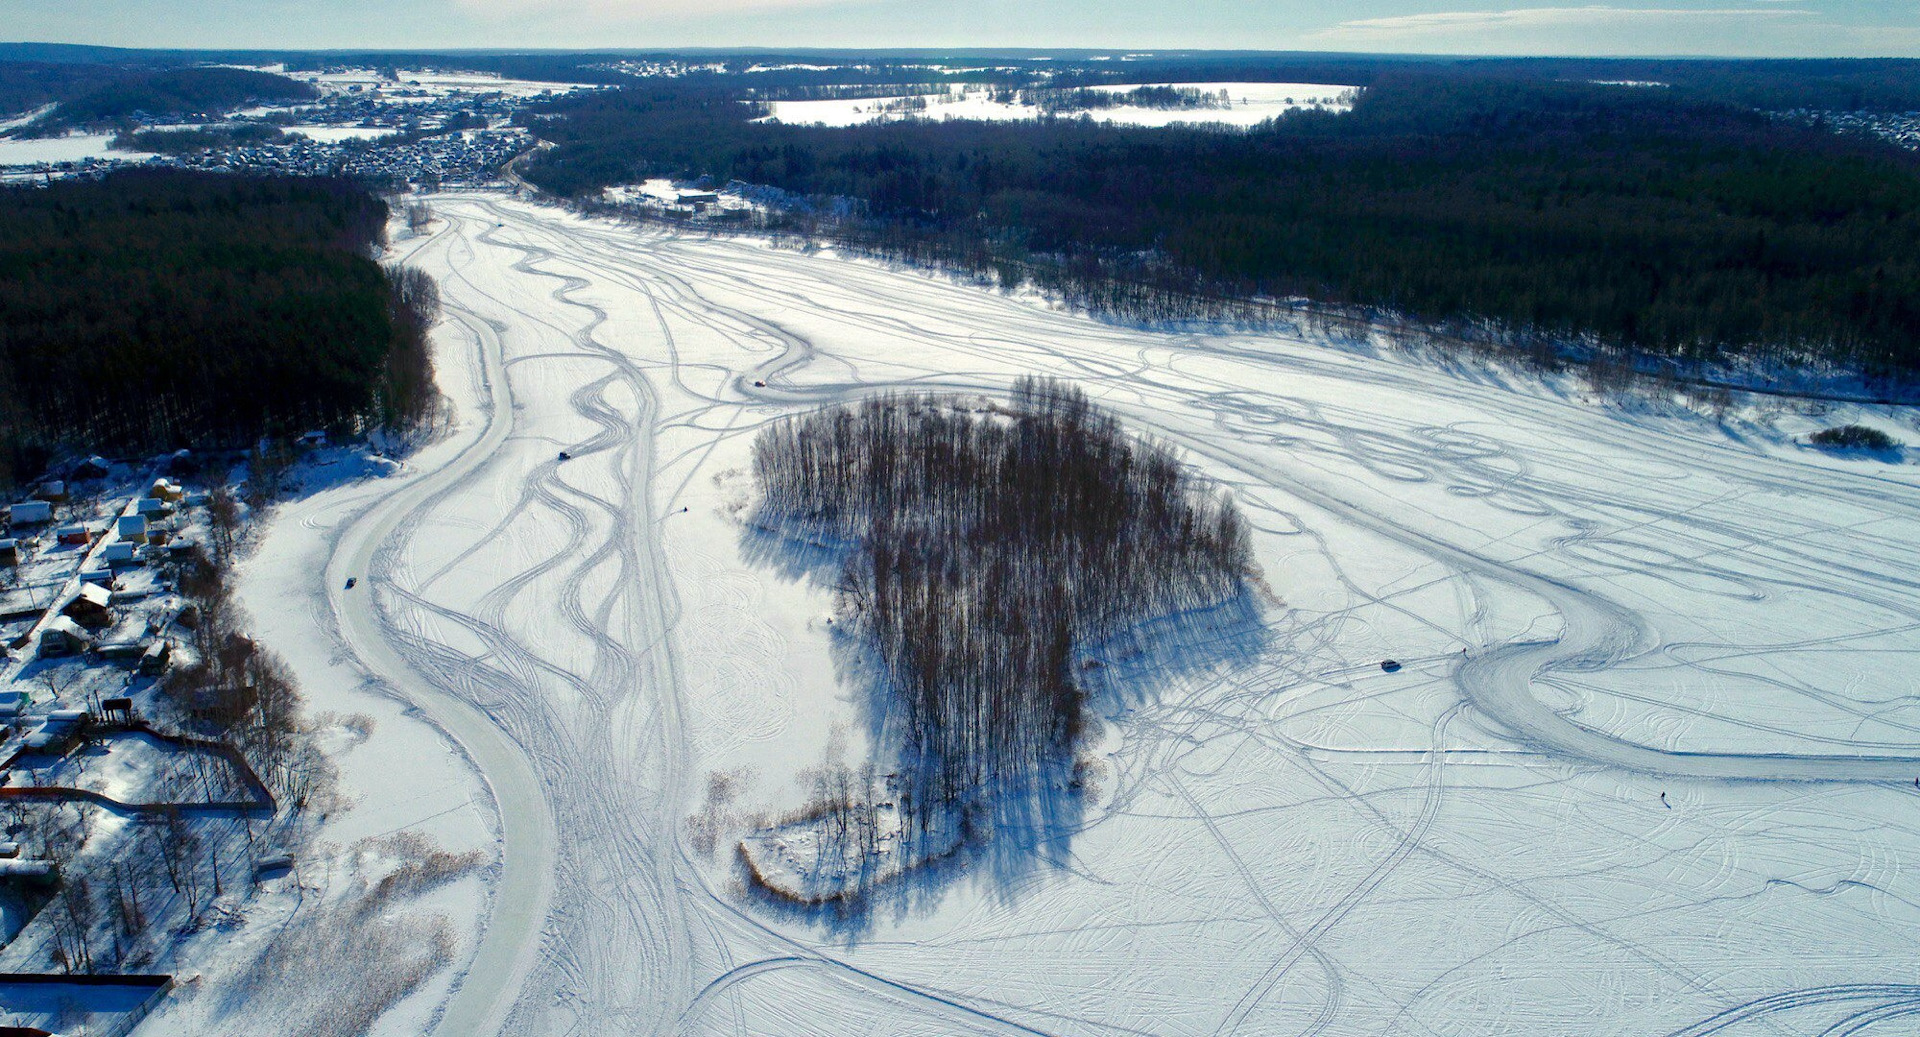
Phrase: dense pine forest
(165, 92)
(1501, 201)
(990, 549)
(153, 310)
(198, 138)
(26, 85)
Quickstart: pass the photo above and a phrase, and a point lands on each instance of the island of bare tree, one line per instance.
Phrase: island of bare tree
(981, 551)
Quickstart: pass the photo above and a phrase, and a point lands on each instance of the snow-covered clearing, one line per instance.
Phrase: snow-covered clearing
(425, 84)
(1649, 766)
(17, 121)
(74, 147)
(1248, 105)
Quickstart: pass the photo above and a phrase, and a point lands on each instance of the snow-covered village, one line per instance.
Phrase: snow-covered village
(117, 777)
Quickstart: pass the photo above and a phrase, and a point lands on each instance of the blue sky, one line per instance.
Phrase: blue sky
(1596, 27)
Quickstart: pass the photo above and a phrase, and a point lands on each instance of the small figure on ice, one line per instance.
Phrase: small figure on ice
(350, 582)
(1663, 801)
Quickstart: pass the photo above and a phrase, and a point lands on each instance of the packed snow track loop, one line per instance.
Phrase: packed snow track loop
(1647, 766)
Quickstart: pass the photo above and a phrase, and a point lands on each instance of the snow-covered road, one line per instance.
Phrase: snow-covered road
(523, 889)
(1648, 765)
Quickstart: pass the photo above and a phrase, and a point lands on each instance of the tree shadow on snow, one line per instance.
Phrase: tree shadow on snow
(1020, 830)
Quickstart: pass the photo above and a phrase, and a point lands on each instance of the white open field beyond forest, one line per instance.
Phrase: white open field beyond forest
(1648, 768)
(1247, 104)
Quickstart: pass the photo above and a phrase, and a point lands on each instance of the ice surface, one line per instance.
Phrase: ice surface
(1649, 759)
(74, 147)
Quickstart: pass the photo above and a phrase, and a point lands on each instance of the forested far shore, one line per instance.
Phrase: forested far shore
(153, 310)
(163, 92)
(1658, 221)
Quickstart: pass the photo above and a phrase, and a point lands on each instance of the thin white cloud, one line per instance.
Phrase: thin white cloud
(1533, 22)
(626, 12)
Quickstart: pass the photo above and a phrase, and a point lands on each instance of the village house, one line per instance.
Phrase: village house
(132, 528)
(74, 535)
(127, 639)
(60, 728)
(155, 659)
(91, 607)
(31, 513)
(62, 637)
(9, 551)
(43, 873)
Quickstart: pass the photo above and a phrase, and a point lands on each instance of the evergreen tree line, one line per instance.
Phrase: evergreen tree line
(159, 93)
(990, 548)
(1080, 99)
(199, 138)
(26, 85)
(1644, 219)
(153, 310)
(842, 91)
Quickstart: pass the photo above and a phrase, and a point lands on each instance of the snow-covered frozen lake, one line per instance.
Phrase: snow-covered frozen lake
(1649, 766)
(75, 147)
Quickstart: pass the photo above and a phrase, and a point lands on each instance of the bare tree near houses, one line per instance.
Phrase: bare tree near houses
(223, 517)
(73, 917)
(126, 875)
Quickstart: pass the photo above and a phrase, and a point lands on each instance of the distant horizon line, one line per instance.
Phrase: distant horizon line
(971, 51)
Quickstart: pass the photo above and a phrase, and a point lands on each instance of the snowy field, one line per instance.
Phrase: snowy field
(74, 147)
(1249, 104)
(422, 84)
(1649, 766)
